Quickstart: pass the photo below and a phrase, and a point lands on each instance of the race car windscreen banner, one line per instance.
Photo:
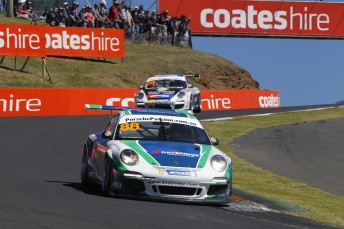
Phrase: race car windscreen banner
(260, 18)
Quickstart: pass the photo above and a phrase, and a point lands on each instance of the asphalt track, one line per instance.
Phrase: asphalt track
(310, 152)
(40, 187)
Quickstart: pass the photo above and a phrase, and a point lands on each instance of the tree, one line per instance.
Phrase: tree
(10, 12)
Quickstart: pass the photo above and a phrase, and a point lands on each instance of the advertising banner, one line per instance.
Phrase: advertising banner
(41, 41)
(260, 18)
(22, 40)
(87, 42)
(71, 101)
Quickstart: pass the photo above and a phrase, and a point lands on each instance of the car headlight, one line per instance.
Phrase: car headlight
(129, 157)
(218, 163)
(181, 94)
(139, 95)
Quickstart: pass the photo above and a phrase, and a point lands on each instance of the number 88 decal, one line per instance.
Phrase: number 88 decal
(129, 126)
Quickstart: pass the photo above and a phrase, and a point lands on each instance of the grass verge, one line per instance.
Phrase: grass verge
(321, 206)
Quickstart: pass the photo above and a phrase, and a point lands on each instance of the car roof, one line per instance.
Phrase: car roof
(168, 76)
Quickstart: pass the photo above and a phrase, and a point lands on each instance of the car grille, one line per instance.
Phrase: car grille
(178, 106)
(134, 185)
(162, 105)
(217, 189)
(182, 191)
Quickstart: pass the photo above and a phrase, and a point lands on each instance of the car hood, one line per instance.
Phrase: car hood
(161, 94)
(175, 154)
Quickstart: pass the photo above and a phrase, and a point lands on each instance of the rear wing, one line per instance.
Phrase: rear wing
(105, 107)
(193, 75)
(177, 75)
(121, 108)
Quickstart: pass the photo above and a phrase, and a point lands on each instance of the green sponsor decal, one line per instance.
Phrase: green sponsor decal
(205, 149)
(191, 116)
(183, 111)
(120, 165)
(94, 107)
(228, 174)
(141, 151)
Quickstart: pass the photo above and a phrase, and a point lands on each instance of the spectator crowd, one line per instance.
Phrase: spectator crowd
(137, 21)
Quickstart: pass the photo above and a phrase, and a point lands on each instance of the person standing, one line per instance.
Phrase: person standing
(135, 14)
(103, 13)
(66, 13)
(115, 17)
(127, 20)
(90, 18)
(74, 19)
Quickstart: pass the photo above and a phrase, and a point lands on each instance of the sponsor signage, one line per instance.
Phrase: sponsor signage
(176, 184)
(22, 40)
(181, 173)
(71, 101)
(239, 99)
(41, 41)
(174, 153)
(145, 118)
(261, 18)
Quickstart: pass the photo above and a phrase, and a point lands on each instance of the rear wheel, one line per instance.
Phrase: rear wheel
(84, 168)
(107, 179)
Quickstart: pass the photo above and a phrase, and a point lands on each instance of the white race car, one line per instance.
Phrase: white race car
(159, 154)
(169, 91)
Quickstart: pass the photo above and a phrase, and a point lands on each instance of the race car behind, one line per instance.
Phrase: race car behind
(169, 91)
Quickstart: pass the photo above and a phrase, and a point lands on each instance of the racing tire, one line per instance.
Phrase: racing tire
(84, 168)
(196, 105)
(197, 110)
(107, 179)
(230, 187)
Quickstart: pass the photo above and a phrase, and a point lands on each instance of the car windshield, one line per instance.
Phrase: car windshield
(162, 131)
(165, 83)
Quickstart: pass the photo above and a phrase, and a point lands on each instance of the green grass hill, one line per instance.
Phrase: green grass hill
(140, 61)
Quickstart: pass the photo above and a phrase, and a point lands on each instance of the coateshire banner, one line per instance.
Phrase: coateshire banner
(71, 101)
(260, 18)
(41, 41)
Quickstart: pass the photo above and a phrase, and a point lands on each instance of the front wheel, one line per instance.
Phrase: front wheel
(107, 179)
(230, 187)
(84, 168)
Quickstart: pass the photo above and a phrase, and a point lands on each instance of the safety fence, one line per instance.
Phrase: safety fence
(71, 101)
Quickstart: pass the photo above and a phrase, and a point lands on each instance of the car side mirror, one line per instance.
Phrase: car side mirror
(190, 86)
(107, 134)
(141, 87)
(214, 141)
